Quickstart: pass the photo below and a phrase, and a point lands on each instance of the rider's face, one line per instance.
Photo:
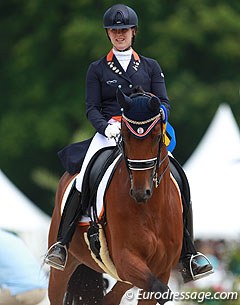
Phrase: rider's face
(121, 38)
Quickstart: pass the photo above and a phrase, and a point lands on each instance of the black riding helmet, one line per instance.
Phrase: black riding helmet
(120, 16)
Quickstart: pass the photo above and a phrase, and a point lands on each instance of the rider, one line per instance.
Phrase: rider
(121, 68)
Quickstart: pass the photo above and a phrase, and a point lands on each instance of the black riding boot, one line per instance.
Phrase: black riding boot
(57, 254)
(190, 269)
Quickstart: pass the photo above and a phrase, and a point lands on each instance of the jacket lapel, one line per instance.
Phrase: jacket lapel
(134, 64)
(115, 66)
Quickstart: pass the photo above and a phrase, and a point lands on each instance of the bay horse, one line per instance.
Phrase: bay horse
(143, 222)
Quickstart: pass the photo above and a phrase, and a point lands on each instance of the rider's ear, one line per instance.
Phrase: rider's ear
(154, 104)
(123, 99)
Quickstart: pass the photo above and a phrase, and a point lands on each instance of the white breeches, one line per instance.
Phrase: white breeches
(99, 141)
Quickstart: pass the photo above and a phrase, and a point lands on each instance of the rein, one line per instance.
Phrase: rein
(157, 180)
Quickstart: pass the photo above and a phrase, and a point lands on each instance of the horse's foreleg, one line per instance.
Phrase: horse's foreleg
(134, 269)
(58, 281)
(153, 298)
(114, 296)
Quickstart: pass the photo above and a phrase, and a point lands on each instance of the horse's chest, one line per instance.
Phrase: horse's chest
(149, 242)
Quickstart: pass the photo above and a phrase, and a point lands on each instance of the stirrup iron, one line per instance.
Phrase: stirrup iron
(201, 275)
(53, 264)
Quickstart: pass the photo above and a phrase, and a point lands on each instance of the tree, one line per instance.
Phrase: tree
(45, 50)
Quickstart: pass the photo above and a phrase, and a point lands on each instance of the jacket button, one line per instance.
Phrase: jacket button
(119, 86)
(130, 86)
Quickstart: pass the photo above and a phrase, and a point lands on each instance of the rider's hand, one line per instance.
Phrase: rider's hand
(112, 131)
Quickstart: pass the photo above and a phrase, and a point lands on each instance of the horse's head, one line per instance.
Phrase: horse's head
(142, 141)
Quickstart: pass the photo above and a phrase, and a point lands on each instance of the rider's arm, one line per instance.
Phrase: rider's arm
(94, 99)
(158, 85)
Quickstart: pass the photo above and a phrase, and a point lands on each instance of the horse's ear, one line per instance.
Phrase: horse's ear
(123, 99)
(154, 104)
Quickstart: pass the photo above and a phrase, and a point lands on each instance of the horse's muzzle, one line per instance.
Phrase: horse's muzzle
(141, 196)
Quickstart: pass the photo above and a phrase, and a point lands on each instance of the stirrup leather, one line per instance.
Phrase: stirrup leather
(53, 264)
(201, 275)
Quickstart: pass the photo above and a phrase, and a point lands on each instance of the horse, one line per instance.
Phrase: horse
(143, 222)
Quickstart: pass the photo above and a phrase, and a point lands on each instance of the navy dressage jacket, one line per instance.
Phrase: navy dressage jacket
(104, 76)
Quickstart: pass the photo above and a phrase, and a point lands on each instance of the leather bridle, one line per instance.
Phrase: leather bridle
(145, 164)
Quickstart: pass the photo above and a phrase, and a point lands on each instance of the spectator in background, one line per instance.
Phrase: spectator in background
(22, 282)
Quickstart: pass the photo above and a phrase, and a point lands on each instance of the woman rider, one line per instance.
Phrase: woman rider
(122, 68)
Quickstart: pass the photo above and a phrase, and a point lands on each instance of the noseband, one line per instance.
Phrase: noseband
(141, 165)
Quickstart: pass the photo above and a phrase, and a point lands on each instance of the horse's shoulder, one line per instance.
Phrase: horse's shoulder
(64, 181)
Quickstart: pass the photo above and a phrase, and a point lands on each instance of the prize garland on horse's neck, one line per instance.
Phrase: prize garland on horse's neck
(122, 69)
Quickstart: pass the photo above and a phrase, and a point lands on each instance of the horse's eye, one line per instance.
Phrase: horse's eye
(157, 138)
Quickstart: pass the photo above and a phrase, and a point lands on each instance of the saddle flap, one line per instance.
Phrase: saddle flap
(95, 171)
(180, 177)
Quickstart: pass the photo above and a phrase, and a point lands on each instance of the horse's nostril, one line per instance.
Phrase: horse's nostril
(140, 196)
(148, 192)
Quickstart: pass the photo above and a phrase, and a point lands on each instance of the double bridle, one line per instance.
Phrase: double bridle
(145, 164)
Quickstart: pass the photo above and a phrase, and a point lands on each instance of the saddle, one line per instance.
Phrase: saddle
(95, 171)
(181, 178)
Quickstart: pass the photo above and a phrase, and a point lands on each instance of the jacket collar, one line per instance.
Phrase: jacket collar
(117, 68)
(111, 54)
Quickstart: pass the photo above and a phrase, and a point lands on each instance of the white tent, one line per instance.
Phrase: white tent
(20, 215)
(213, 171)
